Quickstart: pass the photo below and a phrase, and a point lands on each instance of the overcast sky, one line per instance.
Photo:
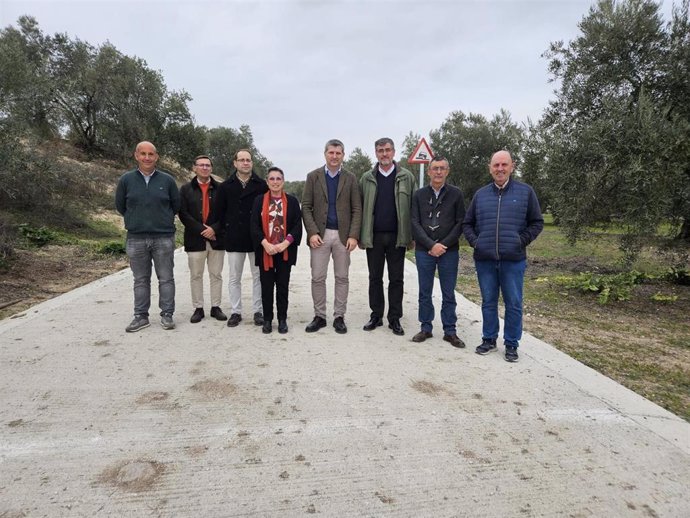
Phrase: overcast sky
(302, 72)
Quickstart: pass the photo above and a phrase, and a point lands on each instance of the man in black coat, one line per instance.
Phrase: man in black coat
(234, 203)
(202, 244)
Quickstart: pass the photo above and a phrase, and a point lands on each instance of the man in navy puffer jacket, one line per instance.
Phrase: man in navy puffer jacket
(503, 218)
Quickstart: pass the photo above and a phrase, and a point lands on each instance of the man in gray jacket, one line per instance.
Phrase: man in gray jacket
(386, 233)
(332, 214)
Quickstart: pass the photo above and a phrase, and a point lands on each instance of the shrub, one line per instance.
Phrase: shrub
(678, 275)
(38, 236)
(112, 248)
(609, 287)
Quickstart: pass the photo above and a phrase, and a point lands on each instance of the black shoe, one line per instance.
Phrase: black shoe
(258, 319)
(454, 341)
(316, 324)
(197, 315)
(267, 327)
(234, 320)
(373, 323)
(339, 325)
(421, 336)
(394, 324)
(511, 353)
(282, 326)
(486, 346)
(217, 313)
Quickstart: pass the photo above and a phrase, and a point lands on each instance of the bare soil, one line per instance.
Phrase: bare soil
(641, 343)
(39, 274)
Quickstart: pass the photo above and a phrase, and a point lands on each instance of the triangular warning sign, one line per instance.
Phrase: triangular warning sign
(422, 154)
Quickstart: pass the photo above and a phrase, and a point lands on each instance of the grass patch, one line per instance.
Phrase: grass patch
(642, 340)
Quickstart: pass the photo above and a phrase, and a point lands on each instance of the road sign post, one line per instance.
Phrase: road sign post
(421, 155)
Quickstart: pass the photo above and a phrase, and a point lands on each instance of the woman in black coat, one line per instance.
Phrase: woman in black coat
(276, 230)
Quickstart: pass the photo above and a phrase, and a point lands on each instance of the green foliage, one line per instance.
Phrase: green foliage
(222, 143)
(112, 248)
(102, 100)
(613, 287)
(37, 236)
(678, 275)
(34, 182)
(613, 148)
(295, 188)
(469, 141)
(664, 299)
(358, 162)
(408, 145)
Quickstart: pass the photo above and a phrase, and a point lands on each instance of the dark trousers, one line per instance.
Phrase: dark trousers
(385, 251)
(277, 277)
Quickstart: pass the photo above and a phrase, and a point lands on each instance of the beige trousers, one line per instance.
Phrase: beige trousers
(331, 247)
(197, 262)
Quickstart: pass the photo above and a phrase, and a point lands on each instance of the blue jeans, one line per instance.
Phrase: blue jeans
(447, 266)
(507, 276)
(141, 252)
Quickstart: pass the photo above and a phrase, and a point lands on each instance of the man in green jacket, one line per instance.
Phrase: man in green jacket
(149, 200)
(386, 232)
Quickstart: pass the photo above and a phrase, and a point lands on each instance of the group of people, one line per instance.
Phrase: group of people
(249, 218)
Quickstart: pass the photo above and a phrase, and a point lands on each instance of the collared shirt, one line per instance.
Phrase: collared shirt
(243, 182)
(387, 173)
(331, 173)
(147, 177)
(504, 185)
(437, 193)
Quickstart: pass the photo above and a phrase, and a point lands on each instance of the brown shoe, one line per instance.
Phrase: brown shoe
(454, 341)
(421, 336)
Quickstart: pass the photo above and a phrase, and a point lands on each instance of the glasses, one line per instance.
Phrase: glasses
(205, 166)
(438, 168)
(274, 179)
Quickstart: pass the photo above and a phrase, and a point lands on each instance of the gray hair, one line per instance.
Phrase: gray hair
(334, 142)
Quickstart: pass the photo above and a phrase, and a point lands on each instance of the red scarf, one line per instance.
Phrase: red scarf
(268, 259)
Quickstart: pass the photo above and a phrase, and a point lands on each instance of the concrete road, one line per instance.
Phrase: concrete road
(208, 421)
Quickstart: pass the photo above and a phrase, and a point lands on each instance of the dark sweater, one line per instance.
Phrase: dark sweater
(149, 209)
(385, 215)
(500, 223)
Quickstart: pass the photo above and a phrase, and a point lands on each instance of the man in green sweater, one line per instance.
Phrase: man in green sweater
(149, 200)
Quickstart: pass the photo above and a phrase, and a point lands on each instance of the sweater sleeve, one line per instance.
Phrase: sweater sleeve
(121, 196)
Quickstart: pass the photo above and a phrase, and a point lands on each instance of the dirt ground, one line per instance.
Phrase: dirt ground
(640, 343)
(43, 273)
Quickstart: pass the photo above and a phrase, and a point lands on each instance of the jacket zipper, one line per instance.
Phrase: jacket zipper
(498, 217)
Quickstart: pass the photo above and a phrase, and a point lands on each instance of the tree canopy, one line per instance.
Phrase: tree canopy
(103, 101)
(613, 147)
